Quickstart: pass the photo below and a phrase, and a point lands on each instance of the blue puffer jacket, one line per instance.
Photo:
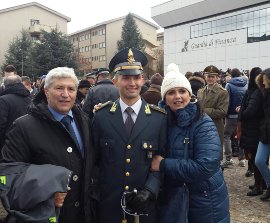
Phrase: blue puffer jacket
(236, 88)
(209, 202)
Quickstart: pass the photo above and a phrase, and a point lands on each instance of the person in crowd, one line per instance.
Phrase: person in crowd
(91, 77)
(103, 91)
(28, 85)
(263, 152)
(58, 133)
(83, 89)
(197, 82)
(127, 134)
(14, 102)
(200, 171)
(145, 86)
(152, 95)
(236, 88)
(215, 100)
(249, 119)
(9, 70)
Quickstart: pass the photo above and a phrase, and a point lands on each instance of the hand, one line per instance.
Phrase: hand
(96, 107)
(156, 162)
(59, 199)
(140, 202)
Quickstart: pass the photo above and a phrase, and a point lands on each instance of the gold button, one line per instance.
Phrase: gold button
(128, 146)
(127, 160)
(150, 146)
(126, 187)
(127, 174)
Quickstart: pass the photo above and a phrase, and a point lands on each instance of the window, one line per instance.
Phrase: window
(34, 22)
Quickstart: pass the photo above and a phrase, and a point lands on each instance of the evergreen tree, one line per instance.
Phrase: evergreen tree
(54, 50)
(131, 36)
(19, 54)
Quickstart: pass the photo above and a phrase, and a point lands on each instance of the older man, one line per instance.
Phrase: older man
(57, 133)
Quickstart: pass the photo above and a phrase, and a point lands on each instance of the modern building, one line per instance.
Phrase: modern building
(225, 33)
(97, 44)
(32, 17)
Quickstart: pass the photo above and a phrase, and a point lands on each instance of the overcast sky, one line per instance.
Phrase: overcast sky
(86, 13)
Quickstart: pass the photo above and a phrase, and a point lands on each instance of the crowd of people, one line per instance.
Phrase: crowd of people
(137, 150)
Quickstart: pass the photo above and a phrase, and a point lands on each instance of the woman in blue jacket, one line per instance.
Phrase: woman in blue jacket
(201, 172)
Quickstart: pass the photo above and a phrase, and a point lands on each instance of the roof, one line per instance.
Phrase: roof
(35, 4)
(114, 20)
(177, 12)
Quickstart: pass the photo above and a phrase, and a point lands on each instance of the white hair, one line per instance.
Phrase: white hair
(60, 72)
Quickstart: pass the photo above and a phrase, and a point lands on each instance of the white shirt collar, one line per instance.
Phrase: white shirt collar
(136, 106)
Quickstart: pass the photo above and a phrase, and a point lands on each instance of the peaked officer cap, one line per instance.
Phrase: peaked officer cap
(129, 61)
(212, 70)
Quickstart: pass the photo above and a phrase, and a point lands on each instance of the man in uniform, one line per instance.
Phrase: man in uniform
(91, 77)
(215, 100)
(127, 133)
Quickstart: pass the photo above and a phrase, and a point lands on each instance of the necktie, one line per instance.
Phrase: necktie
(66, 120)
(129, 121)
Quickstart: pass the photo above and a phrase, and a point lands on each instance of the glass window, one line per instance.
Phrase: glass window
(256, 22)
(256, 31)
(245, 16)
(250, 16)
(214, 23)
(250, 23)
(214, 30)
(268, 11)
(263, 13)
(239, 24)
(250, 32)
(268, 19)
(200, 33)
(262, 20)
(256, 14)
(262, 30)
(245, 24)
(239, 18)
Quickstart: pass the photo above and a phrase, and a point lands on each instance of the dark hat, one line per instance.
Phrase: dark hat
(84, 84)
(102, 71)
(129, 61)
(156, 79)
(92, 75)
(211, 70)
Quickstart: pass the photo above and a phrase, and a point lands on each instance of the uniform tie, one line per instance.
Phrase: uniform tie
(129, 121)
(66, 120)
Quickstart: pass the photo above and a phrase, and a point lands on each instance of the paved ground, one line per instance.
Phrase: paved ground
(243, 209)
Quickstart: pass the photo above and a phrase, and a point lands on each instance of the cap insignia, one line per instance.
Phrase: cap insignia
(130, 57)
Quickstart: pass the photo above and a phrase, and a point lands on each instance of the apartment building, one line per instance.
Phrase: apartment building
(32, 17)
(226, 33)
(96, 45)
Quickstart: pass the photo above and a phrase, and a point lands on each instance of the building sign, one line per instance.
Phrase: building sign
(213, 41)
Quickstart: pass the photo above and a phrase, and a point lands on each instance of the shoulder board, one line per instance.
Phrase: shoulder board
(154, 107)
(220, 86)
(103, 105)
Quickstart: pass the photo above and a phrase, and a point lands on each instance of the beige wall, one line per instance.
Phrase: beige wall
(12, 23)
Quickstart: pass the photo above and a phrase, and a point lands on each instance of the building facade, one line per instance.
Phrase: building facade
(32, 17)
(96, 45)
(225, 33)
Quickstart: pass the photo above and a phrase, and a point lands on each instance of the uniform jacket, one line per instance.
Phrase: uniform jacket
(104, 91)
(37, 138)
(152, 95)
(236, 88)
(125, 161)
(14, 101)
(209, 202)
(27, 191)
(215, 104)
(250, 116)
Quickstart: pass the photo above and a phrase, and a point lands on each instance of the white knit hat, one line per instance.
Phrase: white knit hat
(174, 79)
